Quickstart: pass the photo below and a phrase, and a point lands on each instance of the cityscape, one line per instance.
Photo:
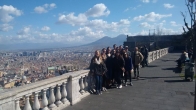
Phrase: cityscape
(30, 66)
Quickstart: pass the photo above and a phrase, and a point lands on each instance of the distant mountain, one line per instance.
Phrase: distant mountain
(103, 42)
(108, 41)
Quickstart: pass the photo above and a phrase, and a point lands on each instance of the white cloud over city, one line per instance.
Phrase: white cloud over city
(151, 17)
(168, 6)
(8, 12)
(44, 8)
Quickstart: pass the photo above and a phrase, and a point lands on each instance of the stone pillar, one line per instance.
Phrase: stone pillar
(36, 104)
(51, 98)
(17, 104)
(27, 104)
(44, 100)
(64, 94)
(58, 96)
(73, 89)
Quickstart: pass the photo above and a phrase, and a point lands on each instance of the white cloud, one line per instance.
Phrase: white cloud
(168, 6)
(52, 5)
(148, 1)
(151, 17)
(45, 8)
(124, 22)
(5, 27)
(72, 19)
(24, 31)
(87, 32)
(45, 28)
(98, 10)
(7, 12)
(146, 25)
(154, 1)
(145, 1)
(173, 23)
(132, 8)
(40, 10)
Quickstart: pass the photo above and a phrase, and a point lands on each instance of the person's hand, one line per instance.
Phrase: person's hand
(131, 71)
(123, 69)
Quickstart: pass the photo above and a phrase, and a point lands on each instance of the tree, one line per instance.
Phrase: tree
(190, 34)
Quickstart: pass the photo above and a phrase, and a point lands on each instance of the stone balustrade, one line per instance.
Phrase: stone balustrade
(55, 93)
(153, 55)
(51, 94)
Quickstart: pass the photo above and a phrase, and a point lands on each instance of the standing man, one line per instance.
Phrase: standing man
(145, 55)
(137, 58)
(127, 51)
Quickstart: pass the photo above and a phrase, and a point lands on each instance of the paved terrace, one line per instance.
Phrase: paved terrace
(160, 88)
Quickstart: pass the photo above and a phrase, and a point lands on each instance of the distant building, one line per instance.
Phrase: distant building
(154, 42)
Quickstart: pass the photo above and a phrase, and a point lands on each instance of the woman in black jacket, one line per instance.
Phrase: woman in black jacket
(128, 68)
(119, 64)
(98, 68)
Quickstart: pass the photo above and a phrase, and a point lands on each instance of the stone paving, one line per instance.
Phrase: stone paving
(159, 88)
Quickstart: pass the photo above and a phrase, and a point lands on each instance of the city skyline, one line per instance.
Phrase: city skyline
(70, 22)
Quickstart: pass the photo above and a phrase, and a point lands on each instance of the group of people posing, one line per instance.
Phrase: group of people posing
(110, 66)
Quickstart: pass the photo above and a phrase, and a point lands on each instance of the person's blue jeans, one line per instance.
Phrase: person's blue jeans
(98, 79)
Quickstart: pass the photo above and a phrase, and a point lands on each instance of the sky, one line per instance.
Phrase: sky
(84, 21)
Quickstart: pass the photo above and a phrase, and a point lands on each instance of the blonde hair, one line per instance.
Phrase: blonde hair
(100, 57)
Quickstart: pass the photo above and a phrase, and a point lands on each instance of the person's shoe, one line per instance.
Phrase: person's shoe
(138, 78)
(134, 77)
(106, 90)
(97, 93)
(120, 86)
(126, 84)
(131, 84)
(100, 93)
(117, 86)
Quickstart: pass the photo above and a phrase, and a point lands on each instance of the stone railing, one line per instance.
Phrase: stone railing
(51, 94)
(153, 55)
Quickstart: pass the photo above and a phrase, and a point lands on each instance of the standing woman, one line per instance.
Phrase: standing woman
(119, 64)
(109, 67)
(104, 81)
(128, 68)
(98, 68)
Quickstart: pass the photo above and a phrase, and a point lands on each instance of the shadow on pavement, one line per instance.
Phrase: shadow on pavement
(160, 77)
(175, 70)
(152, 66)
(173, 81)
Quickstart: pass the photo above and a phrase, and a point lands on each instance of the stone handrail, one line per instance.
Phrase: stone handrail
(153, 55)
(51, 94)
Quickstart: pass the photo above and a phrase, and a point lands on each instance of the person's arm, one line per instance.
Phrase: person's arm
(141, 57)
(92, 66)
(104, 68)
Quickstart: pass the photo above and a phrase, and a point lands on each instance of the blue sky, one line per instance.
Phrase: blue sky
(84, 21)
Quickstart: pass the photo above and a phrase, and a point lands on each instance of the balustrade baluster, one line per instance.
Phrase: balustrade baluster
(17, 104)
(86, 83)
(36, 104)
(51, 98)
(58, 96)
(81, 85)
(64, 93)
(44, 100)
(27, 104)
